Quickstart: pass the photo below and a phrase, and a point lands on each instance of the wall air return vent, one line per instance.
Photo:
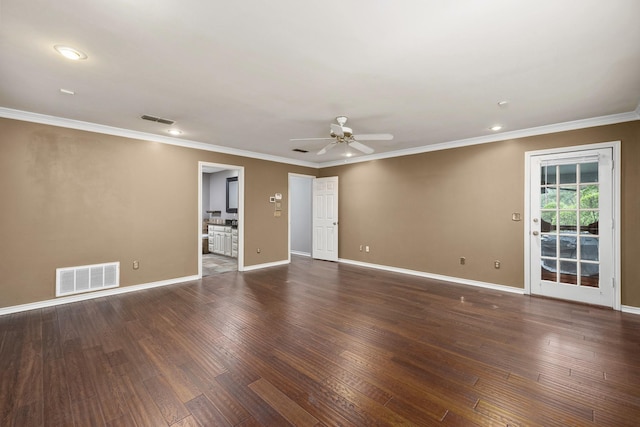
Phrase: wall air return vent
(157, 119)
(87, 278)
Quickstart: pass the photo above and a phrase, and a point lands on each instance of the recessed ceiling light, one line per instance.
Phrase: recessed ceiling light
(175, 132)
(495, 128)
(503, 103)
(67, 92)
(70, 53)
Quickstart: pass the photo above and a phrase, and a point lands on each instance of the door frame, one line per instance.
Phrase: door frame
(240, 170)
(290, 202)
(615, 146)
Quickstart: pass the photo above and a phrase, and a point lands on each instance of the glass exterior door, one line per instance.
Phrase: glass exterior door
(571, 234)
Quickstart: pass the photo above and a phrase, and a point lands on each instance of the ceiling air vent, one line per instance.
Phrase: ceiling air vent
(300, 150)
(157, 119)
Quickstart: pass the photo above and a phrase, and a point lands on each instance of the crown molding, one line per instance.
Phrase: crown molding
(523, 133)
(9, 113)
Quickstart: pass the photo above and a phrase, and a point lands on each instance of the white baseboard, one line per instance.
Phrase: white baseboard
(630, 309)
(266, 265)
(456, 280)
(307, 254)
(92, 295)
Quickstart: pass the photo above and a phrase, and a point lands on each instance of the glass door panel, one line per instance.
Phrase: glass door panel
(566, 239)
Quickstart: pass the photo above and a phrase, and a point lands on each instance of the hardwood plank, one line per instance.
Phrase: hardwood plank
(189, 421)
(29, 415)
(318, 342)
(87, 412)
(295, 414)
(81, 386)
(108, 392)
(57, 405)
(227, 404)
(205, 412)
(142, 407)
(163, 396)
(262, 412)
(28, 387)
(10, 362)
(181, 384)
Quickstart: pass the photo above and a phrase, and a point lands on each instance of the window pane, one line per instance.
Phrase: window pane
(589, 196)
(548, 245)
(568, 247)
(549, 270)
(568, 197)
(549, 221)
(589, 222)
(567, 174)
(568, 221)
(548, 197)
(589, 248)
(548, 175)
(589, 172)
(590, 274)
(568, 272)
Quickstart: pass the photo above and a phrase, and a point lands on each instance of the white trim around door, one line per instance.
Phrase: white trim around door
(533, 221)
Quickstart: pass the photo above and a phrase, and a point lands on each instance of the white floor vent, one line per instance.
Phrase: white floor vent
(86, 278)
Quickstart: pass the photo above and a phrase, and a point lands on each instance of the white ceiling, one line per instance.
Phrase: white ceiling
(251, 75)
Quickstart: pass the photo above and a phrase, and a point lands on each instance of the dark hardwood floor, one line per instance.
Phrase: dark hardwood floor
(319, 344)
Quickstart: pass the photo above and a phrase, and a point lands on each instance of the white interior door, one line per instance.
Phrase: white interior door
(325, 218)
(571, 231)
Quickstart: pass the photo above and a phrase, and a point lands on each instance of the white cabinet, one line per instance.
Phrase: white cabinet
(221, 240)
(211, 237)
(234, 243)
(227, 243)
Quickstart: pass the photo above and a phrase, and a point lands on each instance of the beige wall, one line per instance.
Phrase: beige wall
(74, 198)
(424, 212)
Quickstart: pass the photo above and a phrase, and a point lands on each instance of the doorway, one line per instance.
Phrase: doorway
(571, 245)
(300, 200)
(214, 209)
(313, 217)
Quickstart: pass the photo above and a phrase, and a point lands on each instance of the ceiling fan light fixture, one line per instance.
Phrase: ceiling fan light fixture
(70, 53)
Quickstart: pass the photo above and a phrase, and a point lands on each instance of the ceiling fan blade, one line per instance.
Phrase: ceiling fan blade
(337, 130)
(361, 147)
(374, 137)
(310, 139)
(326, 148)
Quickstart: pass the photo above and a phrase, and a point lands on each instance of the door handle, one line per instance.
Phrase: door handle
(535, 233)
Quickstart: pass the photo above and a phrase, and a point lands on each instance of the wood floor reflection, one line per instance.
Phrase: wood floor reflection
(319, 344)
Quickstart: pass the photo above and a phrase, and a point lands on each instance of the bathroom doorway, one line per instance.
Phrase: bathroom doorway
(220, 218)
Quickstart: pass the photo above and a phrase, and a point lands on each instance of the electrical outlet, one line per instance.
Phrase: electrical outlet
(136, 265)
(366, 249)
(496, 264)
(463, 260)
(258, 250)
(360, 248)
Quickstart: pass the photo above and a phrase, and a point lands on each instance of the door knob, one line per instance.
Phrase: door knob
(535, 233)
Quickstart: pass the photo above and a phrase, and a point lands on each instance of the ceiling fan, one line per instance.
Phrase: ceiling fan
(340, 134)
